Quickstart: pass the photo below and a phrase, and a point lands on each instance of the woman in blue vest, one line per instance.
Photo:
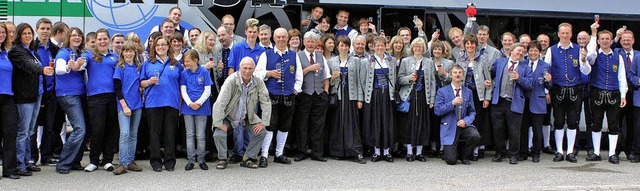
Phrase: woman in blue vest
(418, 87)
(159, 77)
(126, 80)
(344, 139)
(9, 117)
(27, 88)
(378, 77)
(195, 87)
(70, 91)
(101, 102)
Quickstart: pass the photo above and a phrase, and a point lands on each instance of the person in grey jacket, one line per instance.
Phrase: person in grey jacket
(417, 80)
(239, 97)
(442, 78)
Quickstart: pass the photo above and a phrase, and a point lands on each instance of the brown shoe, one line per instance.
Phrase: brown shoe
(120, 170)
(134, 167)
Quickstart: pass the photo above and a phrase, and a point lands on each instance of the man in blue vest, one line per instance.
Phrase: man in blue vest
(342, 26)
(311, 106)
(280, 69)
(568, 63)
(608, 91)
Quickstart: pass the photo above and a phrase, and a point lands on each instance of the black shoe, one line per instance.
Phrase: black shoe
(614, 159)
(222, 164)
(594, 157)
(188, 167)
(421, 158)
(481, 153)
(300, 157)
(263, 162)
(559, 157)
(62, 171)
(170, 169)
(319, 158)
(24, 173)
(203, 166)
(411, 158)
(630, 156)
(13, 176)
(432, 154)
(49, 162)
(548, 150)
(235, 159)
(523, 157)
(571, 158)
(635, 159)
(513, 160)
(535, 158)
(466, 162)
(473, 158)
(157, 169)
(360, 159)
(387, 158)
(282, 160)
(33, 168)
(498, 158)
(376, 158)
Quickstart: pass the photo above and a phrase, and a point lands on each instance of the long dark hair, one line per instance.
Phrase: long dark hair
(153, 54)
(19, 29)
(6, 43)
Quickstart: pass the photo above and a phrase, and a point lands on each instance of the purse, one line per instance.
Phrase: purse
(403, 106)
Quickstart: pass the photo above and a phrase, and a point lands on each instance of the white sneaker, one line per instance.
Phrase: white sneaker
(90, 168)
(108, 167)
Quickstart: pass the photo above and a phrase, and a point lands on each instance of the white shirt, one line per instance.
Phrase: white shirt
(261, 69)
(584, 67)
(622, 74)
(380, 62)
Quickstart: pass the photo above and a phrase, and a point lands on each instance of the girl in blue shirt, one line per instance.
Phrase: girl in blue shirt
(159, 77)
(195, 87)
(9, 118)
(126, 80)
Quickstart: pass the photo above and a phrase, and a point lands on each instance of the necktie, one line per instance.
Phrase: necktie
(628, 60)
(311, 59)
(482, 51)
(267, 48)
(531, 65)
(513, 64)
(457, 92)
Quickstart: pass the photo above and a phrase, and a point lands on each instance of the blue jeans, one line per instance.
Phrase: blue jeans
(27, 117)
(241, 138)
(128, 135)
(72, 106)
(195, 126)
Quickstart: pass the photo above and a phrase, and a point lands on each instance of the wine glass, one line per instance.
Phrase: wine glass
(596, 18)
(156, 74)
(72, 56)
(279, 70)
(50, 61)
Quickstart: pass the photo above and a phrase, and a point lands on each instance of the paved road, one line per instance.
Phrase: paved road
(312, 175)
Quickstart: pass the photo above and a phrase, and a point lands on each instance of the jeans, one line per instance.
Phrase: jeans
(241, 138)
(128, 135)
(71, 151)
(195, 126)
(27, 117)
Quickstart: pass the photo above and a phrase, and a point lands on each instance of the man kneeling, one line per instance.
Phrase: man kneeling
(235, 108)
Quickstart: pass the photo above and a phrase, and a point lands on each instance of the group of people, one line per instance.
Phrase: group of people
(342, 92)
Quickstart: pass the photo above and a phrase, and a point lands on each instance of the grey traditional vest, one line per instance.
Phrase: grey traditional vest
(312, 82)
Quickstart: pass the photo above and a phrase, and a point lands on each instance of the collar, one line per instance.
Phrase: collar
(40, 44)
(454, 89)
(343, 28)
(570, 45)
(53, 40)
(286, 50)
(307, 53)
(517, 62)
(600, 51)
(270, 45)
(161, 60)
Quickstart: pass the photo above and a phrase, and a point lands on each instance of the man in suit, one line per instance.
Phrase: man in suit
(512, 80)
(229, 21)
(628, 133)
(455, 105)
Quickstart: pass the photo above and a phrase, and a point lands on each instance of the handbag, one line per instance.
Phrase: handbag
(403, 106)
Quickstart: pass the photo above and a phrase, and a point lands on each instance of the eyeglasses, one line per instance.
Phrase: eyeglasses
(162, 45)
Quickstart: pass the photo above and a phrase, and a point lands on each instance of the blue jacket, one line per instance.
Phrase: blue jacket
(449, 117)
(634, 76)
(520, 86)
(537, 96)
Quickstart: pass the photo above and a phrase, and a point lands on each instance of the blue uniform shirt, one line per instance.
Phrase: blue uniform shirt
(242, 50)
(6, 73)
(195, 82)
(71, 83)
(100, 74)
(166, 92)
(46, 57)
(130, 79)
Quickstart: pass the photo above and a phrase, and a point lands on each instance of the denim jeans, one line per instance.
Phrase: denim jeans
(241, 138)
(72, 106)
(128, 135)
(195, 126)
(27, 117)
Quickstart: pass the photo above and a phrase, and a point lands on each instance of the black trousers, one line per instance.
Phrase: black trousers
(605, 102)
(506, 122)
(566, 103)
(310, 112)
(162, 122)
(8, 133)
(636, 126)
(53, 119)
(281, 113)
(469, 137)
(103, 117)
(535, 121)
(627, 130)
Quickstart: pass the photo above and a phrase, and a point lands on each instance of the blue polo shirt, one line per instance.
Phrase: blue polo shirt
(242, 50)
(71, 83)
(167, 92)
(6, 73)
(129, 76)
(45, 58)
(195, 82)
(100, 74)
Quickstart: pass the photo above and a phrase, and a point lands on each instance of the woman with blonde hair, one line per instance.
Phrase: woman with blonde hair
(397, 49)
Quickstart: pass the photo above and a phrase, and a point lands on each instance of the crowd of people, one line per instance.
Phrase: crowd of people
(343, 92)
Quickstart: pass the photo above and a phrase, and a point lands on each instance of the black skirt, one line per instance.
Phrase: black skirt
(344, 138)
(413, 127)
(377, 122)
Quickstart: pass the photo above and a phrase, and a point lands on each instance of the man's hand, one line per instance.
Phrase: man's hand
(583, 55)
(257, 128)
(623, 102)
(461, 123)
(485, 103)
(548, 99)
(223, 127)
(457, 101)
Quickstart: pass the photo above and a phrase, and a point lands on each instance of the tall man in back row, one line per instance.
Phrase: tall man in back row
(568, 63)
